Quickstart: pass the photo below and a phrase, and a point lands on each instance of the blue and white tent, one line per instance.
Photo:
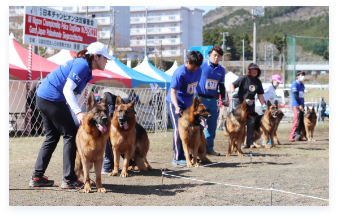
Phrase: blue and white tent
(171, 71)
(148, 69)
(137, 78)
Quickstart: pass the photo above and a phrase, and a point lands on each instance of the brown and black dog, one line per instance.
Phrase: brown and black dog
(235, 127)
(91, 141)
(128, 138)
(267, 124)
(189, 128)
(310, 120)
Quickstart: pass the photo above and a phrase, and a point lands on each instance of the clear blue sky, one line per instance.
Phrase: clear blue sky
(205, 8)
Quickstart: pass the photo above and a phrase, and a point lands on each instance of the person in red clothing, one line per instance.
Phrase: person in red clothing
(222, 112)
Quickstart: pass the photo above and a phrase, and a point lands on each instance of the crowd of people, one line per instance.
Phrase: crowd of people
(57, 94)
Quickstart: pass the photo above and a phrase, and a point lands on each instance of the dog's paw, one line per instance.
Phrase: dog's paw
(196, 165)
(87, 190)
(189, 165)
(112, 173)
(267, 146)
(92, 182)
(124, 174)
(228, 155)
(312, 140)
(101, 190)
(130, 168)
(240, 155)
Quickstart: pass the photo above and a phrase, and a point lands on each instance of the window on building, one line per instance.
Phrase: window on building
(173, 37)
(104, 15)
(161, 25)
(151, 37)
(161, 14)
(150, 26)
(161, 37)
(151, 49)
(174, 48)
(139, 26)
(174, 24)
(174, 13)
(135, 57)
(105, 29)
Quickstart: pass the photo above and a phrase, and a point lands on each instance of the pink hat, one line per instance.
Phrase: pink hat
(277, 78)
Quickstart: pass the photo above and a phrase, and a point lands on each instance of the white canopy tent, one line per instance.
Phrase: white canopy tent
(148, 69)
(230, 77)
(171, 71)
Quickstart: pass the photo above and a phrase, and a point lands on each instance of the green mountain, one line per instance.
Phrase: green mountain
(294, 20)
(308, 21)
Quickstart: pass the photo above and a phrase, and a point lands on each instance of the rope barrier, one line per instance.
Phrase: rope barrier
(240, 186)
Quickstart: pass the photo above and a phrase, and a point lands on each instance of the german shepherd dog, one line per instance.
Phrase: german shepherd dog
(235, 127)
(193, 138)
(310, 120)
(91, 140)
(128, 138)
(267, 124)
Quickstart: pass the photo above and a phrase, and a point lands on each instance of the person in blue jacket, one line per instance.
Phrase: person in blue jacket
(182, 88)
(297, 104)
(61, 87)
(212, 77)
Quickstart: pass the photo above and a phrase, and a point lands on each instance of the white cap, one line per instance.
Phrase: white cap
(99, 48)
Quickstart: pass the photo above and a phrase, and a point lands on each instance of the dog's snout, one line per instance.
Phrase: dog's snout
(209, 116)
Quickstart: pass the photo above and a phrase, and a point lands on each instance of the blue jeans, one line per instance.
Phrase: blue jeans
(210, 134)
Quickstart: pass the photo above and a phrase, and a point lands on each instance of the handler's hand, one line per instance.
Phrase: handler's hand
(177, 110)
(301, 108)
(79, 117)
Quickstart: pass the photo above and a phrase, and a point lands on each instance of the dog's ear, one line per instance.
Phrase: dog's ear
(132, 105)
(276, 103)
(91, 102)
(196, 102)
(118, 101)
(307, 108)
(104, 102)
(268, 103)
(313, 108)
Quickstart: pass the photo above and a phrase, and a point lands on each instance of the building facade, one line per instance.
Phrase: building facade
(169, 29)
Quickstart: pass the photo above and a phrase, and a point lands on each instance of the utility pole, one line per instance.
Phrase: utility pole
(145, 48)
(155, 55)
(223, 45)
(272, 60)
(112, 30)
(254, 39)
(243, 57)
(256, 11)
(265, 65)
(86, 11)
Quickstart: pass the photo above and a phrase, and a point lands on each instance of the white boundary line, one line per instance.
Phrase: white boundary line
(239, 186)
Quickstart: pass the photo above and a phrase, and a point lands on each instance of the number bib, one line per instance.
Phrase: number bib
(301, 94)
(191, 88)
(211, 84)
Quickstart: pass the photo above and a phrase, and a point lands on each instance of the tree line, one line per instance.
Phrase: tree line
(273, 33)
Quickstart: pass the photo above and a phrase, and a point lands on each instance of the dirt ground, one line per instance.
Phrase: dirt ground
(296, 167)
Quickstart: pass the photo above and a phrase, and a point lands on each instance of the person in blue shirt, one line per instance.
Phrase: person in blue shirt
(56, 100)
(212, 77)
(297, 104)
(133, 96)
(183, 84)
